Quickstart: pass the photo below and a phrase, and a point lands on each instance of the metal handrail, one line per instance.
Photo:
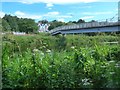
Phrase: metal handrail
(85, 25)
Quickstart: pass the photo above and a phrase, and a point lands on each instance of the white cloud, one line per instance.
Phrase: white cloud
(54, 13)
(33, 16)
(25, 15)
(49, 5)
(96, 13)
(19, 13)
(2, 14)
(87, 17)
(58, 1)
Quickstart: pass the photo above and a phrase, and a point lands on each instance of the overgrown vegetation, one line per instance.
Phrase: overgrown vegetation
(73, 61)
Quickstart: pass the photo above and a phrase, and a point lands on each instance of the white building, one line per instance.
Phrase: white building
(43, 27)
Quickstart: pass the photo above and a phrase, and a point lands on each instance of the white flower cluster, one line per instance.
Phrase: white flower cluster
(35, 50)
(86, 81)
(112, 73)
(72, 47)
(48, 51)
(111, 61)
(117, 65)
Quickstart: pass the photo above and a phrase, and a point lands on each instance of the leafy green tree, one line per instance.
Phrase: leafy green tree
(12, 20)
(81, 21)
(70, 22)
(43, 21)
(93, 21)
(27, 25)
(55, 24)
(51, 27)
(14, 23)
(74, 22)
(5, 26)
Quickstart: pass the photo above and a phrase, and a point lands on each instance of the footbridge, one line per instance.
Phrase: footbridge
(88, 27)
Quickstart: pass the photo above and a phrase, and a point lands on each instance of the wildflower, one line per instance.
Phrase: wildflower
(44, 43)
(117, 65)
(103, 75)
(50, 66)
(112, 73)
(111, 61)
(72, 47)
(18, 46)
(85, 80)
(41, 53)
(86, 83)
(103, 66)
(43, 47)
(35, 50)
(48, 51)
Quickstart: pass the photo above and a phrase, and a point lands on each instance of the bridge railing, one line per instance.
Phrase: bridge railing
(86, 25)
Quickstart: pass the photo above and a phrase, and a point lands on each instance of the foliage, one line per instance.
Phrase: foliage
(80, 21)
(13, 23)
(43, 21)
(55, 24)
(27, 25)
(5, 26)
(41, 61)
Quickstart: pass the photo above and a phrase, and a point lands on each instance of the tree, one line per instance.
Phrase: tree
(74, 22)
(69, 23)
(55, 24)
(51, 27)
(27, 25)
(43, 21)
(80, 21)
(5, 25)
(12, 21)
(93, 21)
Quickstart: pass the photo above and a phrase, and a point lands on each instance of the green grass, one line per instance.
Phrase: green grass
(77, 61)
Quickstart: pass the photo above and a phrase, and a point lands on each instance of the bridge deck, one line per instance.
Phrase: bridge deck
(86, 25)
(87, 28)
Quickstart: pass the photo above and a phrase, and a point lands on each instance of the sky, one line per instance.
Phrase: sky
(61, 10)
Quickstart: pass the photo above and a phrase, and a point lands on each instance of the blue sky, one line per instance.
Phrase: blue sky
(62, 11)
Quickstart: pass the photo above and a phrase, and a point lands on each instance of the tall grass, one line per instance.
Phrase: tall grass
(60, 62)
